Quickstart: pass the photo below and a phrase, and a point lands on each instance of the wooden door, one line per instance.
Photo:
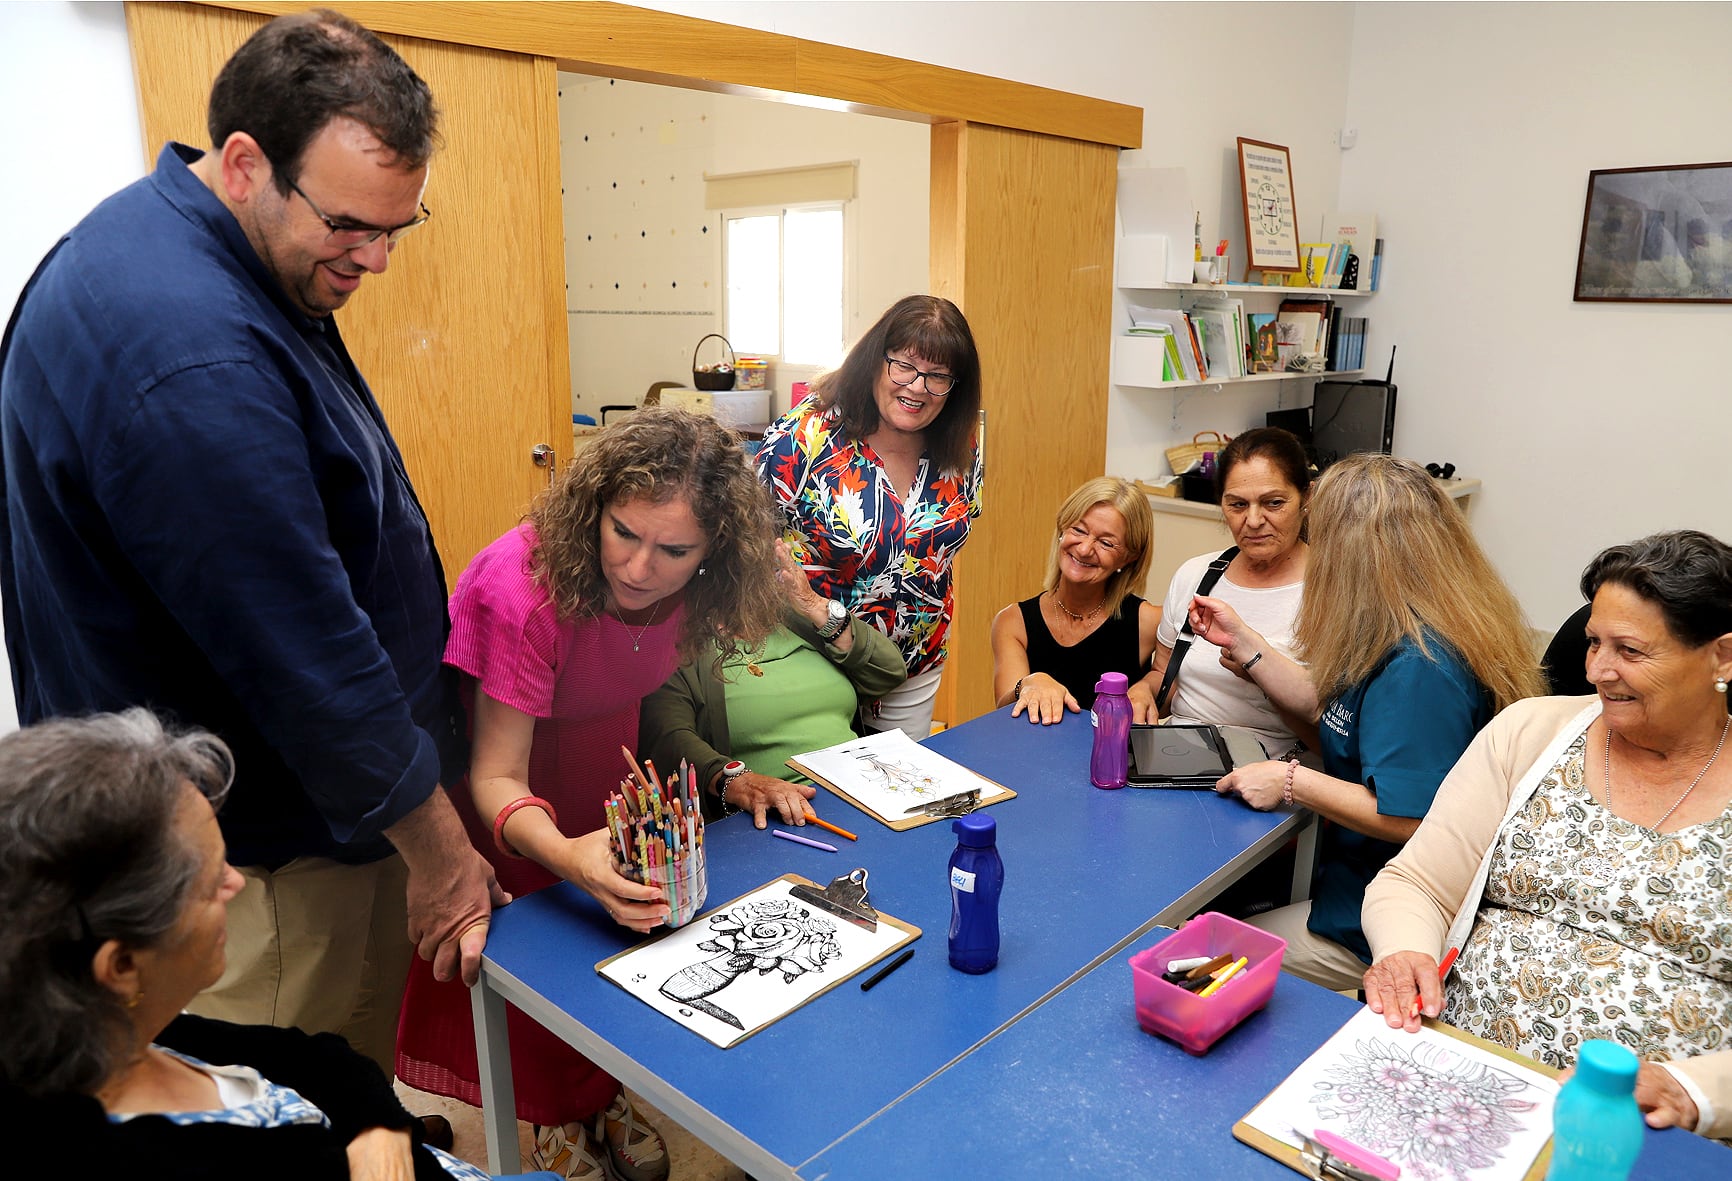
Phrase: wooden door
(463, 339)
(1022, 241)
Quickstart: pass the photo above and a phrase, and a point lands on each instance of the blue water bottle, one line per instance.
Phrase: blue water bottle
(1110, 762)
(976, 879)
(1596, 1125)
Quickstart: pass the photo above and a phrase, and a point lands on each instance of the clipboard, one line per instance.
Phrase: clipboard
(726, 1029)
(1326, 1168)
(972, 790)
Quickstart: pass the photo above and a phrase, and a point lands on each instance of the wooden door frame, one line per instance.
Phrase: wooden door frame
(644, 45)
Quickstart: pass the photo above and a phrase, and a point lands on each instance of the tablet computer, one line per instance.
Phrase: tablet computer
(1189, 756)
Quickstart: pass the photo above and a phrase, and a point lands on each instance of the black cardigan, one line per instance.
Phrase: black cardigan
(67, 1135)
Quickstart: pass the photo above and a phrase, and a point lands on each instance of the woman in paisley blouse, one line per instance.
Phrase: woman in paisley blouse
(1577, 854)
(878, 477)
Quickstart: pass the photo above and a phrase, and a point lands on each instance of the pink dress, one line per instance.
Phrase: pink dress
(583, 682)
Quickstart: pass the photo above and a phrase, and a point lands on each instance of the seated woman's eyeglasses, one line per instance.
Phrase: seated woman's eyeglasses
(903, 374)
(349, 236)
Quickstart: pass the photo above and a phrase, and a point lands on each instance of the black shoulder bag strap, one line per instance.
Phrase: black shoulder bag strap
(1183, 644)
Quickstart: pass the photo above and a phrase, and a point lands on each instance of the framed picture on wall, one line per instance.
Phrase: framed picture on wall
(1659, 235)
(1266, 188)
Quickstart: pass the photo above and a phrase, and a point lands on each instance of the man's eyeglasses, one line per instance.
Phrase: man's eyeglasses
(903, 374)
(349, 235)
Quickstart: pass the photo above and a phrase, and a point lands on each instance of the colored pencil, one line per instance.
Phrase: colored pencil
(812, 817)
(1442, 972)
(798, 840)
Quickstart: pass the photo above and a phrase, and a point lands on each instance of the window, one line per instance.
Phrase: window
(784, 273)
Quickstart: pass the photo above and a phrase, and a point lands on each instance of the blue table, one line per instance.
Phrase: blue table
(1087, 872)
(1078, 1089)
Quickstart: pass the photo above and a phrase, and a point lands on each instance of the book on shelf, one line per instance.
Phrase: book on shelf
(1376, 263)
(1228, 337)
(1181, 347)
(1265, 353)
(1358, 230)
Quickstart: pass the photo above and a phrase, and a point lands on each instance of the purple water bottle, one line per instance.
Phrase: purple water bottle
(976, 879)
(1110, 763)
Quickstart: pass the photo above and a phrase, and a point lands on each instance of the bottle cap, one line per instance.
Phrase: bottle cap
(1113, 683)
(1607, 1067)
(975, 830)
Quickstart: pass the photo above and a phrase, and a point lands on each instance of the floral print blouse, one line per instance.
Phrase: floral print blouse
(887, 559)
(1591, 927)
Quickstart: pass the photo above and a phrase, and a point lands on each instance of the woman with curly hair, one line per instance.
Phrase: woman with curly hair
(654, 548)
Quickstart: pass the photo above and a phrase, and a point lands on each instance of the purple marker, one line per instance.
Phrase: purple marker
(799, 840)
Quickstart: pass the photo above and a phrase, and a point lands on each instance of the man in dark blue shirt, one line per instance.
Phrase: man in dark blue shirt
(205, 514)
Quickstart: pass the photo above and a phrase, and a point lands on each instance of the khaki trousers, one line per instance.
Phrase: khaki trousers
(321, 946)
(1319, 960)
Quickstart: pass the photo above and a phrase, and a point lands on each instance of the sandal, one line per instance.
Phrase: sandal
(566, 1149)
(634, 1149)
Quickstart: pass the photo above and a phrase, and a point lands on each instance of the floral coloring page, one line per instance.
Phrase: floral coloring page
(888, 773)
(1441, 1108)
(745, 965)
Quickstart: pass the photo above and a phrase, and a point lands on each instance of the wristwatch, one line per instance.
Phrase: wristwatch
(837, 619)
(731, 771)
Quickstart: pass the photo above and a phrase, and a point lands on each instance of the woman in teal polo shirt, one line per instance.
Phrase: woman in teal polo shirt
(797, 692)
(1409, 643)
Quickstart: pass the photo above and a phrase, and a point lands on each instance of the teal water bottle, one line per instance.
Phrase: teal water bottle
(1596, 1126)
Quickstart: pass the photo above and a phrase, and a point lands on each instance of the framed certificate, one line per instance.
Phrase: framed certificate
(1266, 186)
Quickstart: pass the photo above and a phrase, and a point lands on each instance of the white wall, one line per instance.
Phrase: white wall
(70, 136)
(1478, 124)
(643, 255)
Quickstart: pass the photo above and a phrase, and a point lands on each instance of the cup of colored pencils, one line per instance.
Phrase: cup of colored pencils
(656, 829)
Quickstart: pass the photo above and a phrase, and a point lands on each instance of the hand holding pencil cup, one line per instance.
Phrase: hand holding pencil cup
(656, 832)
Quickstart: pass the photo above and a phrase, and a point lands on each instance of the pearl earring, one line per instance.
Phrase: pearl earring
(1719, 684)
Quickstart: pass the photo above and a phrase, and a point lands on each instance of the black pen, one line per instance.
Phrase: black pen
(887, 969)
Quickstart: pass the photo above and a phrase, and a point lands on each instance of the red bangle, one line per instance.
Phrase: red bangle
(508, 811)
(1287, 788)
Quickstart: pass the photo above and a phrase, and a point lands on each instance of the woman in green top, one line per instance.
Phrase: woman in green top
(797, 692)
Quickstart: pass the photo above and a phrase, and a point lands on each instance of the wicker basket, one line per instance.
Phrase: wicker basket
(1186, 455)
(713, 377)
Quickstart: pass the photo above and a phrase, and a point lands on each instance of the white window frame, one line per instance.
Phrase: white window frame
(850, 254)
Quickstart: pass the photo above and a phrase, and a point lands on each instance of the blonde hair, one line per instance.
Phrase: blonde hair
(1391, 556)
(1133, 506)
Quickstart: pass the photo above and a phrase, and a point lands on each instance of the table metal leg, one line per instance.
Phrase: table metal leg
(498, 1097)
(1304, 861)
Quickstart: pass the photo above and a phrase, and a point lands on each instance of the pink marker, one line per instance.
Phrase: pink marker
(1362, 1159)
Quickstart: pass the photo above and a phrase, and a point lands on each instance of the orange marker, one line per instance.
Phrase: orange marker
(825, 824)
(1442, 971)
(1227, 974)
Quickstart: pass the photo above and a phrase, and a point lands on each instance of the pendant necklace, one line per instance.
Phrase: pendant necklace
(1653, 832)
(1074, 617)
(637, 640)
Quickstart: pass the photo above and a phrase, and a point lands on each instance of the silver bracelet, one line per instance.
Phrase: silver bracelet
(1249, 664)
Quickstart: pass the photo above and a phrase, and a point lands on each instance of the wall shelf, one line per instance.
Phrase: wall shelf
(1242, 288)
(1137, 363)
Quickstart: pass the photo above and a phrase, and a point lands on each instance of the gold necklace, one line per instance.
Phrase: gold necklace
(1074, 617)
(637, 640)
(1653, 832)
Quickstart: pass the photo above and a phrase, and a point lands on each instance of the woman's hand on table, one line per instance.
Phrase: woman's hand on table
(1258, 784)
(1394, 981)
(588, 864)
(1663, 1100)
(380, 1154)
(758, 794)
(1044, 699)
(1144, 712)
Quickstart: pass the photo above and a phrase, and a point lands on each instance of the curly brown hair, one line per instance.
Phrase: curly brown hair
(656, 455)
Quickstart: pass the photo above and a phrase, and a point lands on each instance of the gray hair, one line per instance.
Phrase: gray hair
(88, 853)
(1687, 574)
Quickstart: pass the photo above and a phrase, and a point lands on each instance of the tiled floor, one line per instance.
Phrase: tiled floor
(690, 1159)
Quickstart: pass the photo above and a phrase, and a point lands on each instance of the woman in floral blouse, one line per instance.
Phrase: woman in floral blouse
(1576, 855)
(878, 478)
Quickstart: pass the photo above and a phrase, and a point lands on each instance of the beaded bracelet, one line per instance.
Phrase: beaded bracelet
(510, 810)
(1287, 788)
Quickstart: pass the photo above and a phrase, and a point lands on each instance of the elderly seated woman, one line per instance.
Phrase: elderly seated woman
(1048, 651)
(1576, 855)
(115, 890)
(798, 691)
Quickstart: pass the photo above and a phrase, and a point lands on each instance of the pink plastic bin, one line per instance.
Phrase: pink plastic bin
(1195, 1022)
